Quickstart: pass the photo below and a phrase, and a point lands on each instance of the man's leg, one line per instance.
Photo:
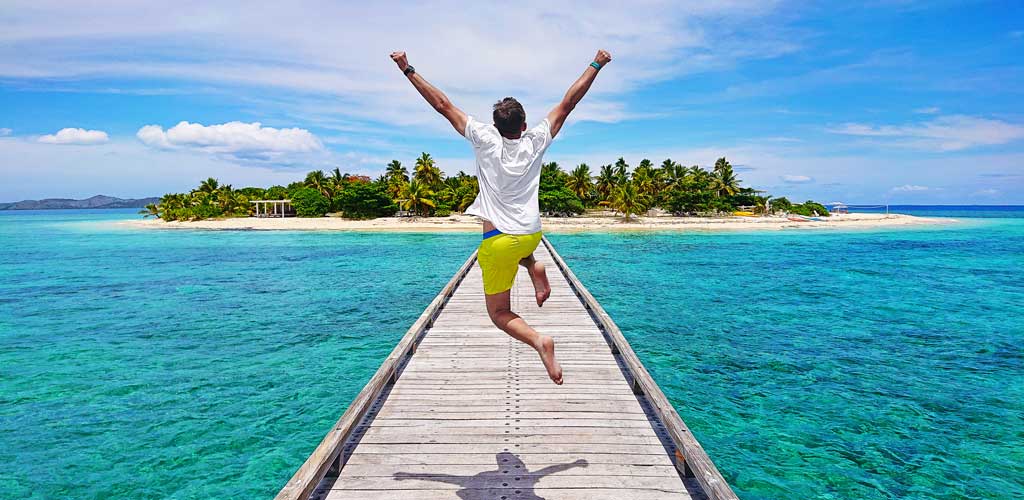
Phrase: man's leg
(541, 287)
(499, 309)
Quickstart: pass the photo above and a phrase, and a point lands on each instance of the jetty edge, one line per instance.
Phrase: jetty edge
(441, 411)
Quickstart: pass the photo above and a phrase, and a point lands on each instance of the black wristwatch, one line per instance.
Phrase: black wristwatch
(409, 70)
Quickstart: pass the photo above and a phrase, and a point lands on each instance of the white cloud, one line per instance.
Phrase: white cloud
(945, 133)
(930, 110)
(5, 132)
(909, 188)
(77, 136)
(796, 179)
(986, 192)
(122, 168)
(243, 141)
(336, 53)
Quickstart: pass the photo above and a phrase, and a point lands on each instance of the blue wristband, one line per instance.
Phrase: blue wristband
(595, 65)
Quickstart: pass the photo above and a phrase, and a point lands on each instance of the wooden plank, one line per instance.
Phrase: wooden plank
(489, 458)
(496, 479)
(516, 424)
(507, 494)
(696, 459)
(366, 470)
(475, 404)
(490, 436)
(305, 480)
(518, 434)
(518, 448)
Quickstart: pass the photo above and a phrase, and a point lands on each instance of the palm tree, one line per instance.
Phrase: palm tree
(224, 198)
(551, 171)
(200, 198)
(173, 205)
(606, 182)
(658, 177)
(172, 201)
(470, 190)
(644, 181)
(674, 174)
(452, 183)
(579, 181)
(318, 181)
(426, 172)
(700, 177)
(628, 200)
(150, 209)
(725, 180)
(396, 188)
(417, 197)
(621, 171)
(210, 185)
(396, 172)
(762, 204)
(337, 180)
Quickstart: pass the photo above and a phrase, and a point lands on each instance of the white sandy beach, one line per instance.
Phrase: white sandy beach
(585, 223)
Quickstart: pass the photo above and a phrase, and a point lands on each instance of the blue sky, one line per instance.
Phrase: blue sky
(884, 102)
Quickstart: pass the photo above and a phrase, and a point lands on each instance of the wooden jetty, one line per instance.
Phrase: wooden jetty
(461, 410)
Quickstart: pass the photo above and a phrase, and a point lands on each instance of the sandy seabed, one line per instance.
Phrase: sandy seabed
(585, 223)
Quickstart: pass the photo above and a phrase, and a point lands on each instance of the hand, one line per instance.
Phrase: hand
(603, 57)
(400, 60)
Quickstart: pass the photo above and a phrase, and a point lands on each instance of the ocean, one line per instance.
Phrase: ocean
(826, 364)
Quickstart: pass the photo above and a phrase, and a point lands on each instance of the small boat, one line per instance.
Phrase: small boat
(799, 218)
(744, 214)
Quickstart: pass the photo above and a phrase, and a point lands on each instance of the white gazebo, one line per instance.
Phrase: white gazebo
(839, 207)
(273, 208)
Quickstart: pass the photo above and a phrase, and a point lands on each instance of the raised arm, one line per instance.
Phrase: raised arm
(432, 94)
(576, 92)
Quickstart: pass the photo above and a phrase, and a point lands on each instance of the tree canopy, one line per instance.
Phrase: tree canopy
(427, 191)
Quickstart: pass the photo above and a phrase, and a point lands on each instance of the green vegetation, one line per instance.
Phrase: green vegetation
(308, 202)
(810, 209)
(671, 187)
(364, 200)
(556, 197)
(208, 200)
(426, 191)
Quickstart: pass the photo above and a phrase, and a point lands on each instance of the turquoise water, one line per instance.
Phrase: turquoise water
(862, 365)
(186, 364)
(183, 364)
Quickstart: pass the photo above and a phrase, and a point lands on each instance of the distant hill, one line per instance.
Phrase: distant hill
(98, 201)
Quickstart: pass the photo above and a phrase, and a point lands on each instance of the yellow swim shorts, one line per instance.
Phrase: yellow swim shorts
(499, 257)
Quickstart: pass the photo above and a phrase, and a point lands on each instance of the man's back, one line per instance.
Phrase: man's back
(508, 160)
(509, 175)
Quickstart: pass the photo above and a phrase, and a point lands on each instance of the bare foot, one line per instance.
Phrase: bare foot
(547, 355)
(540, 282)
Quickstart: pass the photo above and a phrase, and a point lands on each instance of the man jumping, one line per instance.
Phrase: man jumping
(508, 163)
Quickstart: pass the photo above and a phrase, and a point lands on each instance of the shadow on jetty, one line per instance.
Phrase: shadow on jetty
(511, 474)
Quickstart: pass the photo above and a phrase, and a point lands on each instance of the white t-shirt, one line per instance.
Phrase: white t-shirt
(509, 174)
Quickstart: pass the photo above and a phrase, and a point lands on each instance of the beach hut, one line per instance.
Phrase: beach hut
(274, 208)
(839, 207)
(403, 213)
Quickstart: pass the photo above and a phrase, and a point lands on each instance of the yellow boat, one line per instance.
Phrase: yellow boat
(744, 214)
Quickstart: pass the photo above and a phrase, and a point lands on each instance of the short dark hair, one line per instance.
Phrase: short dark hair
(509, 116)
